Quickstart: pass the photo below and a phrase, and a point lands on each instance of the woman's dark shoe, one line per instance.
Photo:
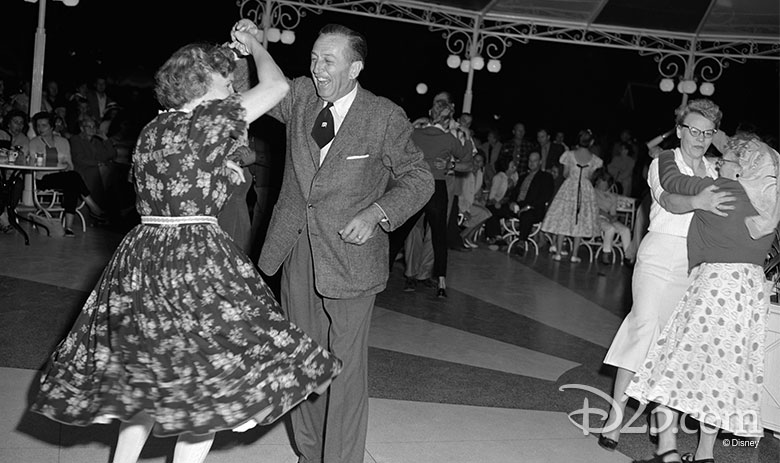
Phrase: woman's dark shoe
(69, 232)
(650, 426)
(607, 444)
(410, 284)
(690, 458)
(659, 458)
(441, 293)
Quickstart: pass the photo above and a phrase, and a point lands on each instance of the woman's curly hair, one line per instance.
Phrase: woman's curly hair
(741, 143)
(186, 75)
(704, 107)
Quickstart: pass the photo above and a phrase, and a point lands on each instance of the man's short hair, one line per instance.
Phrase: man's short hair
(357, 42)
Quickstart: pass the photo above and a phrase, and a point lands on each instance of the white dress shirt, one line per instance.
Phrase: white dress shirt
(339, 110)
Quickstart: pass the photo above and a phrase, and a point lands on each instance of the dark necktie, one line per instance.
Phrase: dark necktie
(323, 130)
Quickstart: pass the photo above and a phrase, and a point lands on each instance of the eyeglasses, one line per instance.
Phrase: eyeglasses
(721, 161)
(698, 132)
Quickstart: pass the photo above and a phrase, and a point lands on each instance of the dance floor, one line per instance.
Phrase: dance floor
(506, 369)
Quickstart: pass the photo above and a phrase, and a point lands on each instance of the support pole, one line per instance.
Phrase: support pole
(266, 21)
(468, 96)
(689, 65)
(36, 89)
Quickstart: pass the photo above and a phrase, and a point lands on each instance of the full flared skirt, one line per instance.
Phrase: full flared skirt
(708, 361)
(181, 326)
(569, 216)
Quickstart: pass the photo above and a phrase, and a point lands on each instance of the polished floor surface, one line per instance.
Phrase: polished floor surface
(506, 369)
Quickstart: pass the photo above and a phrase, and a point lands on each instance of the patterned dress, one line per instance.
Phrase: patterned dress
(574, 211)
(181, 325)
(708, 361)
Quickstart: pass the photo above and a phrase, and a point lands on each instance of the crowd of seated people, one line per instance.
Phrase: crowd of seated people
(85, 129)
(92, 127)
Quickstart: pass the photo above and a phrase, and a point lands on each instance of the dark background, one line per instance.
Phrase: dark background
(560, 86)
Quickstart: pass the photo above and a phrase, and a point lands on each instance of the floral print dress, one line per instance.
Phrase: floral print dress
(181, 325)
(574, 211)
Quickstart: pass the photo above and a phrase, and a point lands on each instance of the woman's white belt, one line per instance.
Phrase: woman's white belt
(176, 221)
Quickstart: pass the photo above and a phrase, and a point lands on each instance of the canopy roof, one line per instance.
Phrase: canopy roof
(722, 29)
(758, 19)
(691, 40)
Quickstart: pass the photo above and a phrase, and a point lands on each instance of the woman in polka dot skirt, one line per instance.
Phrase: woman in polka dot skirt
(708, 361)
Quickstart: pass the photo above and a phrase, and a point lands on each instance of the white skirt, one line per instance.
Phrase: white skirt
(659, 282)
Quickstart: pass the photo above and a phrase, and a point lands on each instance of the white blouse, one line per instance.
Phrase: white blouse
(661, 220)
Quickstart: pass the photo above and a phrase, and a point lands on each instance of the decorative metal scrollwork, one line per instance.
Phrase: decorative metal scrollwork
(702, 68)
(283, 15)
(459, 43)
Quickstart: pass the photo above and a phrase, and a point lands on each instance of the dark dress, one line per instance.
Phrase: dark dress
(181, 325)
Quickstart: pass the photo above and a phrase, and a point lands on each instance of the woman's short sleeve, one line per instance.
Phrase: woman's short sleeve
(218, 127)
(566, 158)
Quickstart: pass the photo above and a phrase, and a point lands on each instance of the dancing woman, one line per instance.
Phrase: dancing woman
(573, 211)
(708, 361)
(661, 273)
(181, 333)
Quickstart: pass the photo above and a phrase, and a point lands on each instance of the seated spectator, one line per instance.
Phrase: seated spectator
(112, 110)
(491, 148)
(93, 156)
(621, 168)
(53, 96)
(16, 126)
(608, 221)
(20, 101)
(60, 127)
(77, 108)
(56, 150)
(502, 184)
(528, 199)
(470, 204)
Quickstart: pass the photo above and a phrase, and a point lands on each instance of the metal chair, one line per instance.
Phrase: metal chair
(626, 213)
(512, 235)
(48, 203)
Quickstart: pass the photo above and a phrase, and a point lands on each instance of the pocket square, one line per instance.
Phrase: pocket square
(361, 156)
